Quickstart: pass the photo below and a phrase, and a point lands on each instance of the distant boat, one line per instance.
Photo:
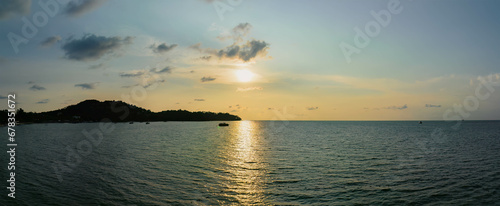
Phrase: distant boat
(223, 124)
(420, 122)
(131, 122)
(147, 122)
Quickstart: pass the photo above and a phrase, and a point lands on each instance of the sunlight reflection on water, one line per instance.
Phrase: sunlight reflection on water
(248, 169)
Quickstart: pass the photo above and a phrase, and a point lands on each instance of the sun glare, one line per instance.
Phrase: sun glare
(244, 75)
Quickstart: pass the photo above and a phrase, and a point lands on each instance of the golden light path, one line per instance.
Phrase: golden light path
(249, 167)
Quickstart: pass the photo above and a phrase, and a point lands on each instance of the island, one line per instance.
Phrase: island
(115, 111)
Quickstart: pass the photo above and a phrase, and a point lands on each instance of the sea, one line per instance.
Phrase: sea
(255, 163)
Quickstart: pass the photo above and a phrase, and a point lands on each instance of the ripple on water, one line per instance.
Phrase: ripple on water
(249, 163)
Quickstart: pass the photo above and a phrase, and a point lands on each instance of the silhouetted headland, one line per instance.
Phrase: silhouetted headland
(115, 111)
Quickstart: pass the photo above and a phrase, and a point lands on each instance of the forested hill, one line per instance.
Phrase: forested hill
(116, 111)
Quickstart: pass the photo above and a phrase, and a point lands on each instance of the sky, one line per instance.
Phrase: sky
(258, 59)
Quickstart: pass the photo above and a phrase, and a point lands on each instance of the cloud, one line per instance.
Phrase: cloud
(138, 73)
(196, 46)
(45, 101)
(229, 52)
(37, 88)
(96, 66)
(3, 97)
(312, 108)
(162, 48)
(132, 73)
(164, 70)
(50, 41)
(237, 108)
(12, 7)
(244, 52)
(396, 107)
(78, 8)
(206, 58)
(199, 100)
(129, 86)
(151, 83)
(92, 47)
(241, 30)
(249, 89)
(432, 105)
(207, 79)
(237, 33)
(86, 85)
(239, 50)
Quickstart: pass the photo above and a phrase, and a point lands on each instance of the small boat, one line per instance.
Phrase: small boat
(147, 122)
(223, 124)
(420, 122)
(131, 122)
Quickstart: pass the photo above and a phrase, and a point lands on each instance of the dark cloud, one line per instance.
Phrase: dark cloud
(162, 48)
(45, 101)
(12, 7)
(138, 73)
(164, 70)
(37, 88)
(397, 107)
(92, 47)
(240, 31)
(207, 79)
(252, 49)
(153, 83)
(77, 8)
(206, 58)
(199, 100)
(244, 52)
(432, 105)
(312, 108)
(86, 85)
(132, 74)
(50, 41)
(242, 28)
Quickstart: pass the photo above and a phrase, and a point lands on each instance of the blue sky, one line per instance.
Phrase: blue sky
(182, 55)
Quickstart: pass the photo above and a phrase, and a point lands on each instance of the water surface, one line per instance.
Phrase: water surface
(259, 163)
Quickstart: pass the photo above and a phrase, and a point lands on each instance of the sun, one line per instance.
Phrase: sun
(244, 75)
